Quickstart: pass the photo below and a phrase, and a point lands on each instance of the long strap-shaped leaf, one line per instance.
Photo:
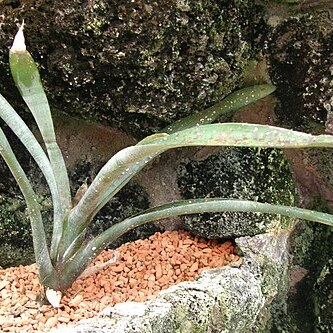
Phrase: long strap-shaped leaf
(111, 178)
(26, 76)
(242, 135)
(89, 251)
(126, 163)
(18, 126)
(39, 240)
(232, 102)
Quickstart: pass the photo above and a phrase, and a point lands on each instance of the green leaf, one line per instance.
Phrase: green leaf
(111, 178)
(89, 251)
(39, 240)
(242, 135)
(27, 79)
(229, 104)
(126, 163)
(18, 126)
(129, 161)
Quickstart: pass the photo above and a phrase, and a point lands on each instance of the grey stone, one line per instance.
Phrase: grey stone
(227, 299)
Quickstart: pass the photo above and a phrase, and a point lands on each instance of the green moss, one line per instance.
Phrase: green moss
(15, 234)
(311, 250)
(324, 298)
(244, 173)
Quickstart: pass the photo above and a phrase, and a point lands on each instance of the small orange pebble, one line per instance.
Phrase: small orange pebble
(64, 319)
(158, 271)
(51, 322)
(118, 268)
(187, 241)
(76, 300)
(194, 267)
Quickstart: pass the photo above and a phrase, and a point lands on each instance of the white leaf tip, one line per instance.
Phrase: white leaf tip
(19, 41)
(54, 297)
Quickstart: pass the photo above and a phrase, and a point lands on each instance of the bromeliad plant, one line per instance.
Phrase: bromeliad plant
(62, 261)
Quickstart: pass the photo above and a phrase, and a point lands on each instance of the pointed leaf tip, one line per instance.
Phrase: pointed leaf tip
(19, 41)
(54, 297)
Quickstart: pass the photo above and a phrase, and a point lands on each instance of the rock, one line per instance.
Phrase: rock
(239, 173)
(131, 65)
(228, 299)
(15, 232)
(135, 65)
(323, 298)
(308, 303)
(301, 56)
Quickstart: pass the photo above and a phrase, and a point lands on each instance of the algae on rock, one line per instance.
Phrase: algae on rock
(133, 65)
(136, 65)
(240, 173)
(300, 52)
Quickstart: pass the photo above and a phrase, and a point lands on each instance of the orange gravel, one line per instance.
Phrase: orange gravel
(141, 270)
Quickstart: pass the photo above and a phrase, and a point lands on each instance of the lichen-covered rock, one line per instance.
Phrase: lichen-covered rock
(15, 232)
(324, 298)
(301, 57)
(238, 173)
(228, 299)
(134, 64)
(308, 299)
(270, 253)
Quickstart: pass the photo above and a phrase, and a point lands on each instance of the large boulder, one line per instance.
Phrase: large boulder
(238, 173)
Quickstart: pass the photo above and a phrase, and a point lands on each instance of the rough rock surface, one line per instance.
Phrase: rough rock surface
(135, 65)
(240, 173)
(131, 65)
(229, 299)
(301, 57)
(324, 296)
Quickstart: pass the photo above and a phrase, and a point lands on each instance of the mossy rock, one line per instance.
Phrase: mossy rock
(237, 173)
(324, 298)
(301, 57)
(16, 246)
(309, 302)
(134, 65)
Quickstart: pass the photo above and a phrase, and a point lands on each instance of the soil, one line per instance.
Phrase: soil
(141, 269)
